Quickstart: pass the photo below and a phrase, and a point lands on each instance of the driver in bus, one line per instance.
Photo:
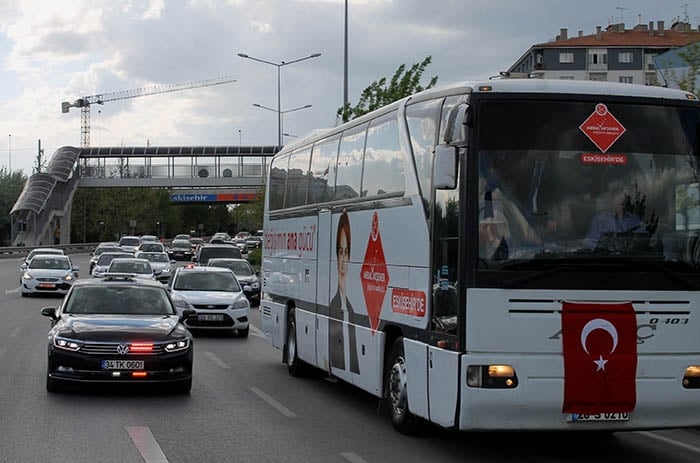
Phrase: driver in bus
(619, 217)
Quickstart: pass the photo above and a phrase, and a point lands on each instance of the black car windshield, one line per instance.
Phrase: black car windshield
(181, 245)
(126, 300)
(206, 281)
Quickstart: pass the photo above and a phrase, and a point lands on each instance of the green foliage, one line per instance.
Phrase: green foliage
(255, 257)
(11, 186)
(379, 93)
(688, 81)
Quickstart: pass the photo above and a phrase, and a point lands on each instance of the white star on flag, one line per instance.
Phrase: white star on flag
(601, 363)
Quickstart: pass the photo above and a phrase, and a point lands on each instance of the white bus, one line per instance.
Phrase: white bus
(513, 254)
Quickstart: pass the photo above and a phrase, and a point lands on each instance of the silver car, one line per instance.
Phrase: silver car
(215, 294)
(139, 268)
(161, 263)
(102, 264)
(48, 274)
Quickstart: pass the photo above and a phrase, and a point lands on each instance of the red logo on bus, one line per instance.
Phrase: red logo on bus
(602, 128)
(374, 274)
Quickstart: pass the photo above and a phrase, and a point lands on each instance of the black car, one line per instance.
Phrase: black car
(208, 251)
(118, 329)
(245, 274)
(180, 250)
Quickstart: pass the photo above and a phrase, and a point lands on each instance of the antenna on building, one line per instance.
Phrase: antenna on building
(686, 18)
(622, 12)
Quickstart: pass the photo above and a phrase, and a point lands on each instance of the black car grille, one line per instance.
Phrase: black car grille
(210, 306)
(113, 348)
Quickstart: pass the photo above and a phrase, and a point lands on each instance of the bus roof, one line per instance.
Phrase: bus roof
(509, 85)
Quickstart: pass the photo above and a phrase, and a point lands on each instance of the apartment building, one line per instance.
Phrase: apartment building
(615, 54)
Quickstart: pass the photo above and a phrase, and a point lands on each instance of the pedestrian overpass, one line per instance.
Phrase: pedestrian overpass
(193, 174)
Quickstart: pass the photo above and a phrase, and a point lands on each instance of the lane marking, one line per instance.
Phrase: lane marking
(280, 408)
(146, 444)
(217, 360)
(14, 332)
(12, 291)
(257, 332)
(692, 448)
(353, 457)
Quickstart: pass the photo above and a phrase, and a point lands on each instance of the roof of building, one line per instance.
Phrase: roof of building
(615, 35)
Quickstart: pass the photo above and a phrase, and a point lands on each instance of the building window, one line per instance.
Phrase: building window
(625, 57)
(598, 76)
(626, 80)
(566, 57)
(566, 77)
(598, 58)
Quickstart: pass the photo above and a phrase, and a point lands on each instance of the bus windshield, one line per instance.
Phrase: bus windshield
(583, 184)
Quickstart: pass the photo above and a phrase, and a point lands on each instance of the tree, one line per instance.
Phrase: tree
(687, 81)
(11, 186)
(379, 93)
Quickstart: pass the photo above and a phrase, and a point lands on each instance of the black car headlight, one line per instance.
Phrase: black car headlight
(178, 345)
(66, 344)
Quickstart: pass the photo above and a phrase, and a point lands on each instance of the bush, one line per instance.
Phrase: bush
(255, 257)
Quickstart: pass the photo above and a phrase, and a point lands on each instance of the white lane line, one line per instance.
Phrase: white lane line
(14, 332)
(217, 360)
(146, 444)
(280, 408)
(257, 332)
(11, 291)
(692, 448)
(353, 457)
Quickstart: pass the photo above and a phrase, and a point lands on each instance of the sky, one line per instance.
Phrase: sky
(53, 51)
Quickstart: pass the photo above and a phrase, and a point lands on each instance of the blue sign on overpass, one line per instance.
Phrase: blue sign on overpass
(213, 198)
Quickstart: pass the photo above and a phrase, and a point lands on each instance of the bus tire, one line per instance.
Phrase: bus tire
(396, 391)
(295, 366)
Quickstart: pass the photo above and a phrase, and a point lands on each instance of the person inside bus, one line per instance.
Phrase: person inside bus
(492, 231)
(341, 310)
(619, 217)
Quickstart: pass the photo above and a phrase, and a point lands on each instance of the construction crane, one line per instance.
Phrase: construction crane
(85, 102)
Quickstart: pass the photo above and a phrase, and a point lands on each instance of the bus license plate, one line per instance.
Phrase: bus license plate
(211, 318)
(122, 364)
(600, 417)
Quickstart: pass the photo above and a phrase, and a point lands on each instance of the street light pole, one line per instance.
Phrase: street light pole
(279, 86)
(280, 113)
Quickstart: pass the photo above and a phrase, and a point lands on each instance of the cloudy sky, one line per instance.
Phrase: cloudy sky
(60, 50)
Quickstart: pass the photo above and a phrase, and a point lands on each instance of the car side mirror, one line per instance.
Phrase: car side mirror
(49, 312)
(187, 313)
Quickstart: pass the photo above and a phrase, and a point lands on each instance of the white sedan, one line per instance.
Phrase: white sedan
(48, 274)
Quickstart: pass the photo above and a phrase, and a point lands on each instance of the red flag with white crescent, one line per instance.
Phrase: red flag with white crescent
(599, 343)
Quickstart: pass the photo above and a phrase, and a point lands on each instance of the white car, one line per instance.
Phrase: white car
(102, 263)
(129, 243)
(36, 251)
(215, 294)
(140, 268)
(48, 274)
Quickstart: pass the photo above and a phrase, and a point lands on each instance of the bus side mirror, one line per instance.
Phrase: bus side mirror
(445, 172)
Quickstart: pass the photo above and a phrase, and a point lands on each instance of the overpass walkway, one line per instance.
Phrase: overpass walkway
(192, 173)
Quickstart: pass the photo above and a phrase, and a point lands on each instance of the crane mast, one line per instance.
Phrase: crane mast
(101, 98)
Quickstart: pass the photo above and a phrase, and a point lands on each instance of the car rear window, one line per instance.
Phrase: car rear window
(224, 251)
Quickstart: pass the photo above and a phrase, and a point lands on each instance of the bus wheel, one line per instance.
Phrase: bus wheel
(396, 395)
(295, 366)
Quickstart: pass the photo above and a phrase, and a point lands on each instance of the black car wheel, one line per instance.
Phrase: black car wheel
(243, 333)
(396, 391)
(183, 387)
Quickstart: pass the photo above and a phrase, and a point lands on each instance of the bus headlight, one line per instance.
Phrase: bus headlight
(691, 378)
(492, 376)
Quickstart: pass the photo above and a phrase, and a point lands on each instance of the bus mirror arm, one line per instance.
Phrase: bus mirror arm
(445, 172)
(457, 122)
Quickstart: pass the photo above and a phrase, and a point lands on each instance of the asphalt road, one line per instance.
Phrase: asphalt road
(244, 407)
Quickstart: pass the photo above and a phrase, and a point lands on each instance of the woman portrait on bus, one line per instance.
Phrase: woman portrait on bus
(340, 308)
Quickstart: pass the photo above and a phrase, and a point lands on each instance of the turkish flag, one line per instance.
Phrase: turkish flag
(600, 357)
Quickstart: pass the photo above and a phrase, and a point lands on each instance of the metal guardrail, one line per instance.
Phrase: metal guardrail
(20, 251)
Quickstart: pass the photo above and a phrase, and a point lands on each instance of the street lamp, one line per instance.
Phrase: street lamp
(280, 113)
(279, 98)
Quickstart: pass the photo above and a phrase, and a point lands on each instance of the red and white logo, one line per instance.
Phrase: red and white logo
(602, 128)
(600, 357)
(374, 274)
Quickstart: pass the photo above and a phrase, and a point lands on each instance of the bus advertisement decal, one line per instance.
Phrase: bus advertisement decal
(408, 302)
(602, 128)
(374, 274)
